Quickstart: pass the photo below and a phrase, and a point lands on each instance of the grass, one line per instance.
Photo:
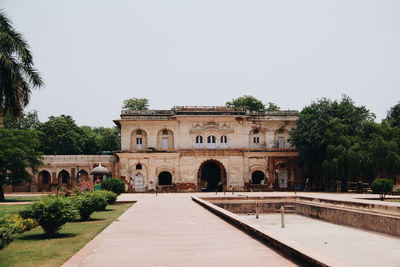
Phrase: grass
(22, 198)
(10, 209)
(392, 200)
(34, 249)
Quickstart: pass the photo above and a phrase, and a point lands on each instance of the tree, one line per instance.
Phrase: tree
(246, 102)
(272, 107)
(61, 136)
(18, 153)
(326, 137)
(28, 120)
(382, 187)
(393, 116)
(17, 73)
(136, 104)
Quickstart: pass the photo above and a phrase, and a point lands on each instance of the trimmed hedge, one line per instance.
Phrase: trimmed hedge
(113, 184)
(7, 232)
(51, 213)
(110, 197)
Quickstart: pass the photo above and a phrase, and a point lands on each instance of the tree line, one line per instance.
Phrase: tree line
(339, 141)
(62, 136)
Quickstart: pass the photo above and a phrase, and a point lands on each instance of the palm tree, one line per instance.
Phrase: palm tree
(17, 73)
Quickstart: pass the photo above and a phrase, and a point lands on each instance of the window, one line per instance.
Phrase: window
(165, 132)
(139, 142)
(139, 166)
(255, 132)
(224, 141)
(281, 142)
(139, 132)
(165, 143)
(256, 141)
(280, 131)
(199, 139)
(211, 141)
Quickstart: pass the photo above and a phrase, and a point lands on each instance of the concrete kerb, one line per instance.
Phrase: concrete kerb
(292, 249)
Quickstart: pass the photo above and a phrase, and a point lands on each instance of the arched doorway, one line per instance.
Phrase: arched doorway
(63, 177)
(257, 177)
(44, 181)
(164, 178)
(211, 176)
(139, 182)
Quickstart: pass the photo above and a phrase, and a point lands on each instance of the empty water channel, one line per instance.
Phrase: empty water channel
(317, 231)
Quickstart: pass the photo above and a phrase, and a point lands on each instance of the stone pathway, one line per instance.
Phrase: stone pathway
(172, 230)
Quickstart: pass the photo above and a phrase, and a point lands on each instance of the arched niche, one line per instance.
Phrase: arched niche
(138, 139)
(165, 139)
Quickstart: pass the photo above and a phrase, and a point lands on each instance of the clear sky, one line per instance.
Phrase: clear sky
(94, 54)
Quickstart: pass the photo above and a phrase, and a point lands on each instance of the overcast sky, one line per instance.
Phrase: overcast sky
(94, 54)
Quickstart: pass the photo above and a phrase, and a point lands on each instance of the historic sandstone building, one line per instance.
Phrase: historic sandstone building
(207, 149)
(188, 149)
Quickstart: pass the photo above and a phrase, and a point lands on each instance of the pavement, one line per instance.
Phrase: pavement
(172, 230)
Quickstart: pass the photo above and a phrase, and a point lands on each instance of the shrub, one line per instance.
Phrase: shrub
(382, 187)
(21, 224)
(100, 201)
(51, 213)
(110, 197)
(113, 184)
(7, 232)
(88, 203)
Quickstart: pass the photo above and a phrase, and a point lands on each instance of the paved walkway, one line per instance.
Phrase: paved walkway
(172, 230)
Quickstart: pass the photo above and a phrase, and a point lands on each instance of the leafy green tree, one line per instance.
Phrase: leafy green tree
(382, 187)
(17, 73)
(28, 120)
(18, 153)
(272, 107)
(136, 104)
(61, 136)
(91, 141)
(393, 116)
(246, 102)
(325, 134)
(109, 139)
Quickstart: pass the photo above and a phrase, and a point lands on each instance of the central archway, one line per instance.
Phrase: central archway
(211, 176)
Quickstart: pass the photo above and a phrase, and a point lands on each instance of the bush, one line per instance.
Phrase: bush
(113, 184)
(51, 213)
(21, 224)
(85, 205)
(382, 187)
(100, 201)
(110, 197)
(7, 232)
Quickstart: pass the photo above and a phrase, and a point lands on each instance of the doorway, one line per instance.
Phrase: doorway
(211, 176)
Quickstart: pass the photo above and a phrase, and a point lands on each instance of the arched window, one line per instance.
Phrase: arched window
(199, 141)
(211, 141)
(139, 166)
(139, 132)
(224, 141)
(165, 132)
(256, 132)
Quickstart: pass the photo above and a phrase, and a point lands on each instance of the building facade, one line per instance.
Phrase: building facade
(207, 149)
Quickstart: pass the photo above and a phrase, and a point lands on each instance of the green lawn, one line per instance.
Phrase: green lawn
(22, 198)
(393, 200)
(34, 249)
(10, 209)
